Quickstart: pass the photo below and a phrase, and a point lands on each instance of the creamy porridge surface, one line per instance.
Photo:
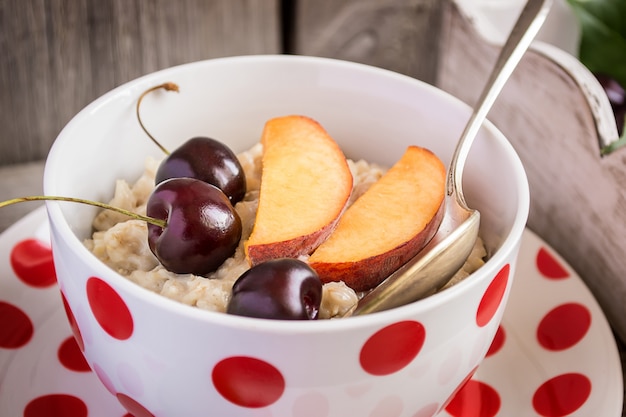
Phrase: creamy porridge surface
(122, 244)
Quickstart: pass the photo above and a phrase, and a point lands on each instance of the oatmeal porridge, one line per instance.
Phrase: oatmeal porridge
(122, 244)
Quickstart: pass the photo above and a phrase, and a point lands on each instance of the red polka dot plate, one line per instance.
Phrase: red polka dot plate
(554, 354)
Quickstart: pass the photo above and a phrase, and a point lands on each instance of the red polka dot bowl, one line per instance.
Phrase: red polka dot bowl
(162, 358)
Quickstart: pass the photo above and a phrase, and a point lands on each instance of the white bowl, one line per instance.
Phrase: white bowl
(166, 359)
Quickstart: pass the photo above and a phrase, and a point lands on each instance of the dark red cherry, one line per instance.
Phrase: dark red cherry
(208, 160)
(283, 289)
(202, 228)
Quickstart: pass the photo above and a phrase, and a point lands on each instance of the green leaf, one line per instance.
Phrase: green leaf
(615, 145)
(603, 40)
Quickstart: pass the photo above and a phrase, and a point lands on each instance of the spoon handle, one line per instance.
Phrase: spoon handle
(524, 31)
(434, 265)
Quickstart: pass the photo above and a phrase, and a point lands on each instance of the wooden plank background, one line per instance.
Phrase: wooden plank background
(400, 35)
(577, 196)
(59, 55)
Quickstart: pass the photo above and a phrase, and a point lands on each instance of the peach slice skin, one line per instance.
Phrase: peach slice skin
(387, 225)
(305, 186)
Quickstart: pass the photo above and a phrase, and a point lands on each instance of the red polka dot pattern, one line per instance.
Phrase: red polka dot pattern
(109, 309)
(475, 399)
(16, 329)
(31, 261)
(549, 267)
(562, 395)
(56, 405)
(254, 383)
(135, 409)
(73, 325)
(564, 326)
(248, 382)
(459, 388)
(392, 348)
(71, 356)
(493, 297)
(498, 342)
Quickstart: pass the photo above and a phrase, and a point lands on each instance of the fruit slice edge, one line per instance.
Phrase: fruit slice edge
(305, 185)
(387, 225)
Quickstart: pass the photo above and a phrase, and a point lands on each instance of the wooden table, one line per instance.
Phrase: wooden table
(19, 180)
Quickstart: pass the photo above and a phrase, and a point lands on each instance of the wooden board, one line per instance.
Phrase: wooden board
(19, 180)
(400, 35)
(556, 116)
(59, 55)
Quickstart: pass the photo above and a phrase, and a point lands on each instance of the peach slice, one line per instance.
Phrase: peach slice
(305, 185)
(389, 224)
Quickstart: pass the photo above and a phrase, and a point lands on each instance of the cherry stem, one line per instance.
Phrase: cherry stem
(151, 220)
(168, 86)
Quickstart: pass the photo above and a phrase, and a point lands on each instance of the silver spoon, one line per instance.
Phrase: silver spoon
(446, 253)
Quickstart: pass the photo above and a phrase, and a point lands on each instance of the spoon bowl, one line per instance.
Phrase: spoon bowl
(446, 253)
